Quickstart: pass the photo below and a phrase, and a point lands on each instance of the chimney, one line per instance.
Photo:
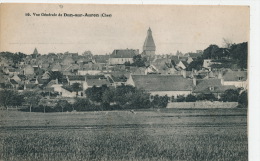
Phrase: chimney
(184, 73)
(194, 80)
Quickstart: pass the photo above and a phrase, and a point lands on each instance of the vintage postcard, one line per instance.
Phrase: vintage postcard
(123, 82)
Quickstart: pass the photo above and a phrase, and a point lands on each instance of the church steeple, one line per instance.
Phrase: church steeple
(149, 45)
(35, 52)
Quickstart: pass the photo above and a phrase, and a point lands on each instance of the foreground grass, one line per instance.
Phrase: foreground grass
(175, 138)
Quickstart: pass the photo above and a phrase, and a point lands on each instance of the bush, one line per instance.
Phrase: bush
(63, 105)
(160, 101)
(190, 98)
(180, 98)
(83, 104)
(243, 99)
(230, 95)
(10, 98)
(209, 97)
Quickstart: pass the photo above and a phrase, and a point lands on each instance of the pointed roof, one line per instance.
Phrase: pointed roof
(35, 51)
(149, 43)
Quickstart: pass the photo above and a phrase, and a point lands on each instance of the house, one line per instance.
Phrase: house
(194, 55)
(28, 70)
(88, 81)
(14, 84)
(162, 66)
(45, 75)
(5, 62)
(66, 90)
(138, 70)
(101, 59)
(95, 80)
(56, 67)
(19, 78)
(235, 78)
(72, 68)
(210, 86)
(151, 69)
(121, 56)
(67, 61)
(117, 79)
(207, 63)
(90, 69)
(182, 64)
(76, 79)
(170, 85)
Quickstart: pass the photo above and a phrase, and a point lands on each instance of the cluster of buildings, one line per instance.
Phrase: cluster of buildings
(162, 74)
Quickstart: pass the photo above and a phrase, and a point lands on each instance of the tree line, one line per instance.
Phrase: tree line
(109, 98)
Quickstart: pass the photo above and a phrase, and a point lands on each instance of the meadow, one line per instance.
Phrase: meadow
(166, 134)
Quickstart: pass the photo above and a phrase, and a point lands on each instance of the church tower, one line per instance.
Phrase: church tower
(35, 53)
(149, 46)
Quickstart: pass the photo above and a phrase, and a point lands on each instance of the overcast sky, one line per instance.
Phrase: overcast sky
(183, 28)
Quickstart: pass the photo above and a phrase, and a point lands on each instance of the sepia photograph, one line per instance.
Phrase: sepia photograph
(124, 82)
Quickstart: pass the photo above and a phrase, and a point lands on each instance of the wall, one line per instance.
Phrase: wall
(170, 93)
(236, 83)
(120, 60)
(205, 104)
(91, 72)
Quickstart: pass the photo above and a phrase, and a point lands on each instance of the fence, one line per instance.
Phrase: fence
(204, 104)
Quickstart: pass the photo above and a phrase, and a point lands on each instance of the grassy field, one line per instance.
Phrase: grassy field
(168, 134)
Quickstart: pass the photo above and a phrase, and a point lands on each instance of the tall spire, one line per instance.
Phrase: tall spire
(35, 52)
(149, 45)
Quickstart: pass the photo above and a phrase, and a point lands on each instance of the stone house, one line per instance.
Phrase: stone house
(121, 56)
(170, 85)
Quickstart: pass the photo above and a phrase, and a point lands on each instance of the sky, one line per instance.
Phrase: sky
(174, 27)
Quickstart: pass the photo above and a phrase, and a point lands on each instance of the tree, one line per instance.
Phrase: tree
(63, 105)
(10, 98)
(83, 104)
(32, 99)
(180, 98)
(230, 95)
(56, 75)
(138, 99)
(139, 61)
(209, 97)
(239, 52)
(243, 99)
(210, 52)
(76, 87)
(160, 101)
(95, 93)
(190, 98)
(196, 64)
(108, 97)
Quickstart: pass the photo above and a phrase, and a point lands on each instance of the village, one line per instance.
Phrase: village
(207, 74)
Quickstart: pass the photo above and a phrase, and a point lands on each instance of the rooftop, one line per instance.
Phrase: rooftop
(162, 82)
